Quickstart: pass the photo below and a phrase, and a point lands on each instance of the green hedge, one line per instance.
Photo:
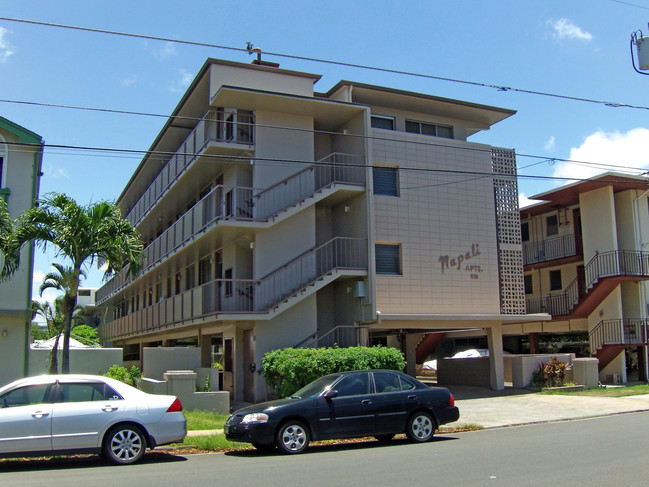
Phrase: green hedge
(290, 369)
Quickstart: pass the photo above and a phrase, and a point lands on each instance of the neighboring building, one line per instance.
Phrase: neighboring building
(275, 216)
(586, 263)
(21, 154)
(91, 313)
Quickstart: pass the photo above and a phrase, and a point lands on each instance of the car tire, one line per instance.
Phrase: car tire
(421, 427)
(292, 437)
(124, 445)
(384, 438)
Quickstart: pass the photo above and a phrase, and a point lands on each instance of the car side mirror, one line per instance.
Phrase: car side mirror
(330, 394)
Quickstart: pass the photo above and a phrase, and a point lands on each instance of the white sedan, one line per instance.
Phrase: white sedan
(63, 414)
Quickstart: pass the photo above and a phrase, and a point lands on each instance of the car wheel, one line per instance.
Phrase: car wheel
(421, 427)
(124, 445)
(384, 438)
(292, 437)
(264, 448)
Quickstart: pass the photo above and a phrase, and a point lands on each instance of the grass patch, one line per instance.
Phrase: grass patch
(604, 392)
(204, 420)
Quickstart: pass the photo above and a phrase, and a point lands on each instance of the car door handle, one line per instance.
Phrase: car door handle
(40, 414)
(366, 401)
(109, 408)
(412, 397)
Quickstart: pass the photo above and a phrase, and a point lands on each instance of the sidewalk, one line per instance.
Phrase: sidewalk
(493, 409)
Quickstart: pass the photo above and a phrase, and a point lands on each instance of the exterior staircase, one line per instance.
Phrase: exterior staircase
(610, 337)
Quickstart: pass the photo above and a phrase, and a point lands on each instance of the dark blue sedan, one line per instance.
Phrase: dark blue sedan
(379, 403)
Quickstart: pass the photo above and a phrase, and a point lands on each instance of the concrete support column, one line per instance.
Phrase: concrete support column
(411, 353)
(496, 365)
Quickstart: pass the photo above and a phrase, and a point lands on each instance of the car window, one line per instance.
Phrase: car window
(352, 385)
(25, 396)
(87, 391)
(407, 385)
(386, 382)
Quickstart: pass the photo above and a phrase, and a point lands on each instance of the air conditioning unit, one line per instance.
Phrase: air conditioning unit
(613, 379)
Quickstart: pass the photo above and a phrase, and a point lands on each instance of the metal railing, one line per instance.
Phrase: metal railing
(629, 332)
(616, 263)
(550, 249)
(243, 204)
(215, 126)
(341, 336)
(245, 295)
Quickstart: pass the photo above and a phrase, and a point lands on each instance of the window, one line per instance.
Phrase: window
(382, 122)
(388, 259)
(205, 270)
(353, 385)
(555, 280)
(1, 169)
(227, 275)
(158, 292)
(423, 128)
(82, 392)
(386, 382)
(24, 396)
(528, 284)
(190, 277)
(386, 181)
(178, 283)
(551, 225)
(525, 231)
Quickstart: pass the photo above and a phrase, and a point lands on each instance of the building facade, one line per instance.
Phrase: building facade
(586, 264)
(277, 216)
(21, 154)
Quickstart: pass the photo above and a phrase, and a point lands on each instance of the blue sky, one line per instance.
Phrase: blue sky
(578, 48)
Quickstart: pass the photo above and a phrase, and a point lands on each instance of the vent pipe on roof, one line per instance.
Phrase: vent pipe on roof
(252, 49)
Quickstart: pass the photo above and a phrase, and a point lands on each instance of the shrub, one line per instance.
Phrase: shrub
(550, 374)
(289, 369)
(122, 374)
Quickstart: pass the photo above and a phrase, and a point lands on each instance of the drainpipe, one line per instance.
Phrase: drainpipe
(643, 299)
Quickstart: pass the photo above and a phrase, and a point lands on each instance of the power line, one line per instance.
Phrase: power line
(271, 160)
(335, 63)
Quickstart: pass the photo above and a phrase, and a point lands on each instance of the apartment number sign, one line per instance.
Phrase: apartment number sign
(461, 262)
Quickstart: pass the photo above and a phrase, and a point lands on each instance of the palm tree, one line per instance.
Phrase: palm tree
(5, 229)
(54, 321)
(81, 235)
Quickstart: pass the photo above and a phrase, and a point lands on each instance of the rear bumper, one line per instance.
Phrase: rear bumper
(172, 428)
(447, 414)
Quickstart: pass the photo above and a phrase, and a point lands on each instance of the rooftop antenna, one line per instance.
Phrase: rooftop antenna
(643, 51)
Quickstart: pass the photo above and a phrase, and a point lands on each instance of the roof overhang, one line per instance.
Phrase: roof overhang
(441, 322)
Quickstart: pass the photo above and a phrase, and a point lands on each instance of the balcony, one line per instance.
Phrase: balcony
(226, 205)
(227, 129)
(246, 296)
(601, 275)
(549, 249)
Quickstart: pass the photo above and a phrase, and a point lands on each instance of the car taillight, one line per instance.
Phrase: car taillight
(451, 401)
(175, 407)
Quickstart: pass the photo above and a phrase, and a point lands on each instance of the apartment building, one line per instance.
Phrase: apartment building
(277, 216)
(586, 264)
(21, 154)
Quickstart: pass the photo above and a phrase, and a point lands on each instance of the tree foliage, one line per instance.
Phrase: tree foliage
(80, 235)
(289, 369)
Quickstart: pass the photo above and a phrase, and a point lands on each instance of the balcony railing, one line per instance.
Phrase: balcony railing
(243, 295)
(616, 263)
(244, 204)
(618, 332)
(215, 126)
(550, 249)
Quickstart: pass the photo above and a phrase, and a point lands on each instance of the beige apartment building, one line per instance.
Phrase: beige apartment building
(277, 216)
(586, 264)
(21, 153)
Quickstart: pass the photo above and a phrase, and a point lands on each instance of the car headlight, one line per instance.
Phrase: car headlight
(255, 418)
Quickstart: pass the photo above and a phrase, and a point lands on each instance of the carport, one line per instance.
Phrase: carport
(413, 325)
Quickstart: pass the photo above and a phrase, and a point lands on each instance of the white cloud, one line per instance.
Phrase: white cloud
(6, 49)
(524, 201)
(550, 144)
(180, 85)
(609, 149)
(131, 80)
(56, 172)
(165, 52)
(566, 29)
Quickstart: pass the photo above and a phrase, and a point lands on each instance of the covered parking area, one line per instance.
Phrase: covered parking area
(413, 326)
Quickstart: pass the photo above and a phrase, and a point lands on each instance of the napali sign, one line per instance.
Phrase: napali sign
(461, 262)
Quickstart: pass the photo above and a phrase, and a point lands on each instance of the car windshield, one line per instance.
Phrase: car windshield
(317, 386)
